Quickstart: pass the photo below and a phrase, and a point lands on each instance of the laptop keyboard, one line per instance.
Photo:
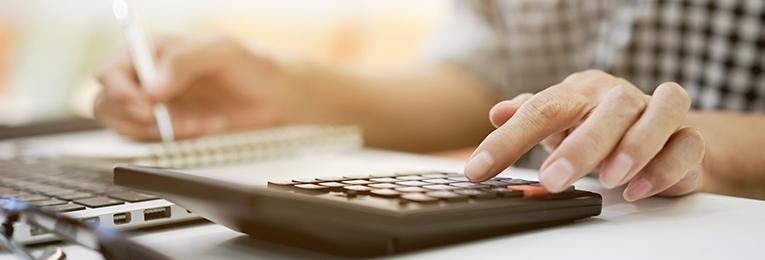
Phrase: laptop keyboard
(62, 188)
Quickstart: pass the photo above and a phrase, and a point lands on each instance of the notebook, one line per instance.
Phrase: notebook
(106, 149)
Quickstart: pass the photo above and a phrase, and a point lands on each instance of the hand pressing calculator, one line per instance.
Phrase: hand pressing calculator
(368, 215)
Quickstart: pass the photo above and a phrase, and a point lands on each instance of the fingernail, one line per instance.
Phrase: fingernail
(479, 166)
(555, 177)
(616, 170)
(638, 189)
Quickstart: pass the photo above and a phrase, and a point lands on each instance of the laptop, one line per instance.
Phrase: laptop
(82, 193)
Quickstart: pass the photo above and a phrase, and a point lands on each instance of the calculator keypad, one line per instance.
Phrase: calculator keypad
(420, 188)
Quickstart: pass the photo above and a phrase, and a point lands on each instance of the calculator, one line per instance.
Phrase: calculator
(368, 215)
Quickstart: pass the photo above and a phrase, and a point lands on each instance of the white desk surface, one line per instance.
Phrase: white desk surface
(700, 226)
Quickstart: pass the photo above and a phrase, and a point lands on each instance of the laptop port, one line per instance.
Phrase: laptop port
(156, 213)
(122, 218)
(36, 231)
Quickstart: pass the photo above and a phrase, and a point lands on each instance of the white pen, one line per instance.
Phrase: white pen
(143, 60)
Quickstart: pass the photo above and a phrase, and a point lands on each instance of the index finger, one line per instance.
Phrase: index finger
(545, 113)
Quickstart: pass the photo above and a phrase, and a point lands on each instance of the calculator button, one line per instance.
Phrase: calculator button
(305, 180)
(495, 183)
(439, 181)
(411, 189)
(412, 183)
(409, 178)
(515, 181)
(459, 178)
(361, 176)
(440, 187)
(476, 194)
(383, 175)
(432, 175)
(384, 186)
(332, 184)
(281, 182)
(357, 182)
(406, 173)
(418, 197)
(331, 178)
(530, 191)
(312, 187)
(386, 193)
(504, 192)
(357, 188)
(453, 174)
(446, 195)
(384, 179)
(470, 185)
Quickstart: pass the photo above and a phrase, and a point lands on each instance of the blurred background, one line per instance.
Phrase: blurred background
(49, 49)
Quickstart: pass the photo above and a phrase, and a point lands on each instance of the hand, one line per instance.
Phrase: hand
(209, 86)
(592, 121)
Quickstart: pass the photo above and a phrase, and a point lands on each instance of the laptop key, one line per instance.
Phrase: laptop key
(98, 202)
(49, 202)
(74, 196)
(65, 207)
(32, 197)
(132, 196)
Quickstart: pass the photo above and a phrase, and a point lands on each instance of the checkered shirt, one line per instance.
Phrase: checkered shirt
(715, 49)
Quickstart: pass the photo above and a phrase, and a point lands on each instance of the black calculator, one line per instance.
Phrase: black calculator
(368, 215)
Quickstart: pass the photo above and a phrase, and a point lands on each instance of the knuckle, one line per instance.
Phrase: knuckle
(586, 74)
(629, 98)
(543, 107)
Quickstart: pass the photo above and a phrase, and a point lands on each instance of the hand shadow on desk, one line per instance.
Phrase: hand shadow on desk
(616, 208)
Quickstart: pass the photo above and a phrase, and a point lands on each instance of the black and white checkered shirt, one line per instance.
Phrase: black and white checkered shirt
(713, 48)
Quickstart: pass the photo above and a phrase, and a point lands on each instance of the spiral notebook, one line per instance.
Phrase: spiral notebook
(107, 149)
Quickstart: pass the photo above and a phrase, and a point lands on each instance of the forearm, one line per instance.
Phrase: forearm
(428, 109)
(734, 162)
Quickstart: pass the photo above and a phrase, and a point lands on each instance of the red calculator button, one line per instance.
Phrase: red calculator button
(530, 191)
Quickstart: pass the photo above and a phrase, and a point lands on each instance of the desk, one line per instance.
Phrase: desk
(700, 226)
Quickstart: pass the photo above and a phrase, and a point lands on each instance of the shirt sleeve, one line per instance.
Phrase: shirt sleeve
(468, 40)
